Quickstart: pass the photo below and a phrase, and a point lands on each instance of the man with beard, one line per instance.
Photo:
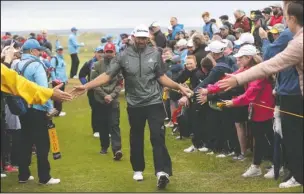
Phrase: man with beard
(141, 68)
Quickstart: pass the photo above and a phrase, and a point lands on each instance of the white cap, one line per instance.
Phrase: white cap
(245, 38)
(216, 46)
(190, 43)
(170, 27)
(246, 50)
(181, 42)
(141, 31)
(228, 43)
(276, 5)
(155, 24)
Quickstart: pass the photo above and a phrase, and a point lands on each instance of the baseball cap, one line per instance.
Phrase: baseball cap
(32, 44)
(190, 43)
(141, 31)
(277, 28)
(74, 29)
(276, 5)
(59, 48)
(228, 43)
(124, 35)
(103, 40)
(246, 50)
(224, 17)
(109, 36)
(109, 47)
(224, 27)
(181, 42)
(216, 46)
(155, 24)
(100, 48)
(245, 38)
(231, 38)
(267, 10)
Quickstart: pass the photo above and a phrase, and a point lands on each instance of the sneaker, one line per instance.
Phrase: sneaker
(103, 151)
(52, 181)
(290, 183)
(166, 119)
(3, 175)
(231, 154)
(138, 176)
(10, 168)
(203, 149)
(252, 171)
(118, 155)
(96, 134)
(162, 180)
(270, 173)
(190, 149)
(75, 77)
(174, 130)
(123, 90)
(179, 137)
(210, 153)
(169, 125)
(31, 178)
(240, 157)
(109, 135)
(62, 114)
(221, 156)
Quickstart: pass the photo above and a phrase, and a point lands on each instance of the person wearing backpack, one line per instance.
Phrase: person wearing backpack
(35, 120)
(59, 75)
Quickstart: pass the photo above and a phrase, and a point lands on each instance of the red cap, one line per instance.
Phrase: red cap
(109, 47)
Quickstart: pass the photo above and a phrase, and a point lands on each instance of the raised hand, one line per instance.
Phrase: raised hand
(229, 83)
(201, 99)
(59, 95)
(78, 91)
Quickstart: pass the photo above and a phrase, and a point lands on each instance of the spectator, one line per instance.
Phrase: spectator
(190, 47)
(258, 23)
(182, 51)
(175, 27)
(225, 21)
(241, 21)
(206, 37)
(160, 38)
(209, 27)
(238, 33)
(32, 35)
(170, 30)
(267, 15)
(277, 17)
(7, 36)
(199, 47)
(73, 46)
(224, 30)
(46, 43)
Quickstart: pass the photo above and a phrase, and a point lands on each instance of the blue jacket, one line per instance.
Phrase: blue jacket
(287, 82)
(73, 45)
(210, 28)
(36, 72)
(183, 56)
(177, 28)
(59, 71)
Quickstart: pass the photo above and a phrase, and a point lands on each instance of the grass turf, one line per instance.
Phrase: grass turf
(83, 169)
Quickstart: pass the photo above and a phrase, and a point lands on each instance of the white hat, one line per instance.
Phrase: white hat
(141, 31)
(190, 43)
(216, 46)
(245, 38)
(276, 5)
(228, 43)
(181, 42)
(155, 24)
(246, 50)
(170, 27)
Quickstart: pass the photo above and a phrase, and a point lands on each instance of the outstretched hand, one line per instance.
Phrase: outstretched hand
(78, 91)
(59, 95)
(229, 83)
(185, 91)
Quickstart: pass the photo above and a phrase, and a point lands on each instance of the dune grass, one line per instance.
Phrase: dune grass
(83, 169)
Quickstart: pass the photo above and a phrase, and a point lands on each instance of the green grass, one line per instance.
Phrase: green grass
(83, 169)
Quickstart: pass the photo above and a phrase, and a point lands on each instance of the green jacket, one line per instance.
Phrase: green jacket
(112, 88)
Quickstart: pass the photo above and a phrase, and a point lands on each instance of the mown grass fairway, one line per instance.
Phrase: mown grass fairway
(83, 169)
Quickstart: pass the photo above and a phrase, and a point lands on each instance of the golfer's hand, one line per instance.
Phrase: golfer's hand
(78, 91)
(228, 83)
(59, 95)
(185, 91)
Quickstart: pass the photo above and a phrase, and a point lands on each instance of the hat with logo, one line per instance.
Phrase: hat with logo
(216, 46)
(246, 50)
(32, 44)
(245, 38)
(277, 28)
(141, 31)
(109, 47)
(100, 48)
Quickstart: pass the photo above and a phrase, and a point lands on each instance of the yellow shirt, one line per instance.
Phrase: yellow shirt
(13, 83)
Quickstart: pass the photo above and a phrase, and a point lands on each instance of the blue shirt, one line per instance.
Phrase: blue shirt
(59, 72)
(73, 45)
(36, 73)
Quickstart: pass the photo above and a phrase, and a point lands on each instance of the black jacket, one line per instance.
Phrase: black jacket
(160, 39)
(196, 76)
(200, 53)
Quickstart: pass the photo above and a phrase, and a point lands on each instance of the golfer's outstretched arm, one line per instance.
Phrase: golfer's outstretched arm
(165, 81)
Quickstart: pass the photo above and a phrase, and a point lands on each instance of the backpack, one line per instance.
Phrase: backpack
(56, 64)
(16, 104)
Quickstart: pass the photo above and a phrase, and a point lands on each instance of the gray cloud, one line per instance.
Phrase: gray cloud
(54, 15)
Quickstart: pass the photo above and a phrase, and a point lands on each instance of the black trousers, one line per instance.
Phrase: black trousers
(264, 137)
(58, 105)
(15, 148)
(292, 129)
(137, 119)
(34, 130)
(198, 124)
(108, 123)
(94, 115)
(4, 142)
(213, 131)
(75, 64)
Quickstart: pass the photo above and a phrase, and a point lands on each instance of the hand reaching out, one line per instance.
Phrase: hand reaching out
(78, 91)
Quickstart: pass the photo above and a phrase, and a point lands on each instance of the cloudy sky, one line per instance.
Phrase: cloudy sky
(55, 15)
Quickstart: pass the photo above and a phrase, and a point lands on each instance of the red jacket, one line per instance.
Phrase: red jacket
(275, 20)
(260, 92)
(243, 23)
